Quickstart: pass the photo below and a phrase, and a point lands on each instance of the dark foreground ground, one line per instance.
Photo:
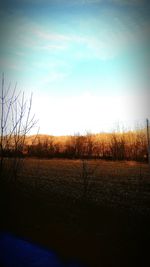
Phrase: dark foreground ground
(111, 232)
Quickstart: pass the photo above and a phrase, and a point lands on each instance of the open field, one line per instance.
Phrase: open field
(125, 184)
(107, 226)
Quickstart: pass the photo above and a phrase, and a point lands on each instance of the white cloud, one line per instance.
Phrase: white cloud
(68, 115)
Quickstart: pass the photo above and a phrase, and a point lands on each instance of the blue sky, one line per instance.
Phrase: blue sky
(87, 62)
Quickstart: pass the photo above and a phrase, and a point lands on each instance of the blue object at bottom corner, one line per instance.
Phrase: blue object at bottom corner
(16, 252)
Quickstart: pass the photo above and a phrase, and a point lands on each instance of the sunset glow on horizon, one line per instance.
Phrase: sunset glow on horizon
(87, 62)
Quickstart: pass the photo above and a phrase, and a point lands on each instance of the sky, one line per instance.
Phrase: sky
(87, 62)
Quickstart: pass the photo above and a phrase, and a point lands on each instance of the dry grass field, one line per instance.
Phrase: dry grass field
(105, 225)
(122, 183)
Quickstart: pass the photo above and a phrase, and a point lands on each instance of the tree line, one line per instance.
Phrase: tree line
(112, 146)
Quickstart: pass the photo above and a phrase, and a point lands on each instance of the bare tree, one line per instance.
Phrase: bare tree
(89, 145)
(148, 140)
(87, 177)
(117, 146)
(16, 121)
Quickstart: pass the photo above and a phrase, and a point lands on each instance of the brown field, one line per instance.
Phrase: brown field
(125, 184)
(109, 226)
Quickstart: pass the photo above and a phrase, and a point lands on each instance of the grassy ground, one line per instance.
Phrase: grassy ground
(107, 226)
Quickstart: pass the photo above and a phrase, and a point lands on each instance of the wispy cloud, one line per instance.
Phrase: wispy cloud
(112, 33)
(53, 47)
(50, 36)
(81, 2)
(55, 36)
(53, 76)
(129, 2)
(8, 64)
